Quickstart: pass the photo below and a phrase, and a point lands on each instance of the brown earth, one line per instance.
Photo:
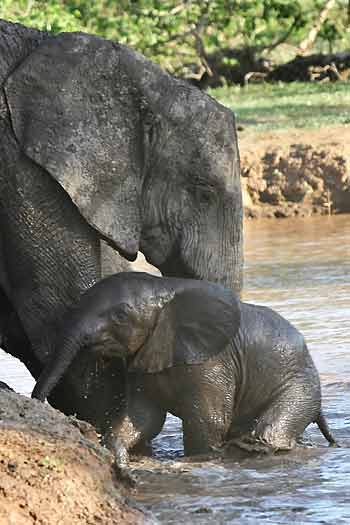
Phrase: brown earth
(54, 472)
(296, 172)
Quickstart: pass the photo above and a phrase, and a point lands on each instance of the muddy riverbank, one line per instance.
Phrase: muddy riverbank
(54, 472)
(296, 172)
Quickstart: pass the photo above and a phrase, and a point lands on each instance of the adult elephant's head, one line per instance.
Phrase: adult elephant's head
(151, 162)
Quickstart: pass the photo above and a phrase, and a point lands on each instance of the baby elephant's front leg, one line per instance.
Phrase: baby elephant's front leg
(121, 438)
(141, 422)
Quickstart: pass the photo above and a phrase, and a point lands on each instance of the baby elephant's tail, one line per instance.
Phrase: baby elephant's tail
(322, 424)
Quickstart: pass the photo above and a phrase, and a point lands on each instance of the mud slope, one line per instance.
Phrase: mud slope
(53, 471)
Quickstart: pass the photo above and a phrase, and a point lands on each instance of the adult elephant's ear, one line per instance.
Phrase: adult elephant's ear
(74, 112)
(193, 327)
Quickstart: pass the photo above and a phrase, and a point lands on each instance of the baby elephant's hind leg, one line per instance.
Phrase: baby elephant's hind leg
(279, 426)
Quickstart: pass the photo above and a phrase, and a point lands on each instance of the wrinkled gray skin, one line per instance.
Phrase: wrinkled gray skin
(99, 144)
(231, 371)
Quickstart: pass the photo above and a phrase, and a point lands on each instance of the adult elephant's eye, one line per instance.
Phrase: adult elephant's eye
(203, 194)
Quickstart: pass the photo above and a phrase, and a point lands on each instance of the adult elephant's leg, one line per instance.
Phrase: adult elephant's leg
(4, 386)
(13, 338)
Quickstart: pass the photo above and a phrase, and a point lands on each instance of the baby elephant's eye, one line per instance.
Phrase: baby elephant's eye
(122, 316)
(118, 316)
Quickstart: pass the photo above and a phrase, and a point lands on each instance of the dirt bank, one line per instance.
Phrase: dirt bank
(296, 172)
(50, 473)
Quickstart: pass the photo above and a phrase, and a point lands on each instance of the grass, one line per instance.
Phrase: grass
(265, 107)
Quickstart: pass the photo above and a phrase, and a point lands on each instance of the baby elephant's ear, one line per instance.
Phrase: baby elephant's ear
(193, 327)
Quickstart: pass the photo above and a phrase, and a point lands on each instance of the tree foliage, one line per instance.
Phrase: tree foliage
(181, 34)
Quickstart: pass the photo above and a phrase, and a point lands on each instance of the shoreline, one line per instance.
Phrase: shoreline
(299, 173)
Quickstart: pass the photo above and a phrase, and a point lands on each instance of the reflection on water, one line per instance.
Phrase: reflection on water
(304, 273)
(301, 268)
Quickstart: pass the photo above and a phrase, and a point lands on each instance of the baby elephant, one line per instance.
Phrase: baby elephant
(231, 371)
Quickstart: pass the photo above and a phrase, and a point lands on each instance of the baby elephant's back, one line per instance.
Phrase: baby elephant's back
(276, 357)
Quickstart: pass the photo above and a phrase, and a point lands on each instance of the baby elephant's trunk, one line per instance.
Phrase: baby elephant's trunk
(56, 368)
(323, 426)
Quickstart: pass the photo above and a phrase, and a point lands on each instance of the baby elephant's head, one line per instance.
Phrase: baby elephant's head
(172, 327)
(153, 323)
(127, 325)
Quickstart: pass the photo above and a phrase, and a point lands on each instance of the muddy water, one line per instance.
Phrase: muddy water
(301, 268)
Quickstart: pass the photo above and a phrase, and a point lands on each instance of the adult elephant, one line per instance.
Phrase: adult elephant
(99, 144)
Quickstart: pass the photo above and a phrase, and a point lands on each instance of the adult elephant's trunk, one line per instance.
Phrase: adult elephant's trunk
(213, 250)
(224, 250)
(221, 231)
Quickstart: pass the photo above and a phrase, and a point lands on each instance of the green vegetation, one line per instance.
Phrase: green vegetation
(52, 15)
(184, 36)
(188, 35)
(279, 106)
